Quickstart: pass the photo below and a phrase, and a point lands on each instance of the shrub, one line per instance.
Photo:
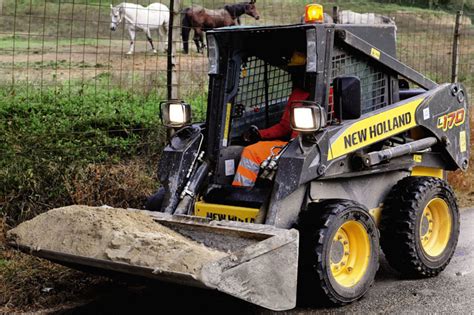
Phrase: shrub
(51, 135)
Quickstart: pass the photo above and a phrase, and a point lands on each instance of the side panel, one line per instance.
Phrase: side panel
(384, 37)
(368, 190)
(374, 127)
(283, 212)
(176, 159)
(440, 112)
(446, 115)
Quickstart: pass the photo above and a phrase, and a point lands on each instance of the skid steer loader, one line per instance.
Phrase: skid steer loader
(367, 169)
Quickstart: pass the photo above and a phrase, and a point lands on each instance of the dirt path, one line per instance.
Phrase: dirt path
(83, 62)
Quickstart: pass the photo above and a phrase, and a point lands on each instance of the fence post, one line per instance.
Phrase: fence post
(455, 52)
(172, 67)
(335, 14)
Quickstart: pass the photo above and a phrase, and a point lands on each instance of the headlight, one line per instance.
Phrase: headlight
(308, 118)
(175, 114)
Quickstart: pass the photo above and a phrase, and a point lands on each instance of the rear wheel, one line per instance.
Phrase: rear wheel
(339, 254)
(420, 226)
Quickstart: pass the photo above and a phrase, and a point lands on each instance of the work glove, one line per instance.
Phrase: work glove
(251, 135)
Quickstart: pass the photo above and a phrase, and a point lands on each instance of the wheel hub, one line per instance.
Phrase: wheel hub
(435, 227)
(349, 253)
(339, 250)
(426, 225)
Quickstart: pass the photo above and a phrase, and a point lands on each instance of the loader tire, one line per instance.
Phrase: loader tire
(155, 201)
(420, 226)
(339, 252)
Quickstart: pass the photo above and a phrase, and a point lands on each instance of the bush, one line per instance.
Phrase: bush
(51, 135)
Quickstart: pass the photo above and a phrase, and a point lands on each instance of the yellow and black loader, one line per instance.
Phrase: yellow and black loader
(367, 170)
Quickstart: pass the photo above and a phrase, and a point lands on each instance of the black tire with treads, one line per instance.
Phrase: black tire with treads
(317, 226)
(400, 226)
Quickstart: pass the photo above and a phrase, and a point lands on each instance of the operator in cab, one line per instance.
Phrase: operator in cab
(271, 140)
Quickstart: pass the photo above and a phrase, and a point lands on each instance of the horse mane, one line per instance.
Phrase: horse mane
(236, 10)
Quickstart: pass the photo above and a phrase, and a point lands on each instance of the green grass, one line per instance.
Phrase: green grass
(53, 65)
(50, 135)
(35, 43)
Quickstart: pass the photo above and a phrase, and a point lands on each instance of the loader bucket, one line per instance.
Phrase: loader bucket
(259, 265)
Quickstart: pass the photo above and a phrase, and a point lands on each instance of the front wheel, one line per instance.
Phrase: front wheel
(339, 254)
(155, 201)
(420, 226)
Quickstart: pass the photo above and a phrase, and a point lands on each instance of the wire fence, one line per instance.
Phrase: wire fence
(74, 88)
(70, 44)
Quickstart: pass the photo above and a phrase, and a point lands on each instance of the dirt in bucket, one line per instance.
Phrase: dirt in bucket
(113, 234)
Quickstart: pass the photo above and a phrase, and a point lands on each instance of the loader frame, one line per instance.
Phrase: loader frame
(339, 153)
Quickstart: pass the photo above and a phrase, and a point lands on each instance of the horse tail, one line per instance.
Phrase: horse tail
(186, 24)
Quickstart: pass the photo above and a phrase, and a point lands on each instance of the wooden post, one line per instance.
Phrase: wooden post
(173, 67)
(455, 52)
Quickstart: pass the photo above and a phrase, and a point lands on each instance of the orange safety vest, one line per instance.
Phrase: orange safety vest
(253, 155)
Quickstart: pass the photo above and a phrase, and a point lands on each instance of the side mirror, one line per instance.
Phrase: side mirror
(347, 99)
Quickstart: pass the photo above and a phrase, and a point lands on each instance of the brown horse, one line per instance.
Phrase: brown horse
(201, 19)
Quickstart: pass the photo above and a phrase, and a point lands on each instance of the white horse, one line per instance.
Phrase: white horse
(351, 17)
(155, 16)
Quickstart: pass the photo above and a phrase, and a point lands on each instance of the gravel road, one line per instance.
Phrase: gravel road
(451, 292)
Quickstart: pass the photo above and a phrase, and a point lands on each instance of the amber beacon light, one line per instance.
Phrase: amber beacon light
(314, 13)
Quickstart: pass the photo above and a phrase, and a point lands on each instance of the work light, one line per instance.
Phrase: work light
(175, 114)
(307, 119)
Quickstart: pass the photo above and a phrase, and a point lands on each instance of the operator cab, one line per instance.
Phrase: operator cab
(250, 83)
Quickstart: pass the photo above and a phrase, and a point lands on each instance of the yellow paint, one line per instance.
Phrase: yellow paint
(376, 213)
(435, 227)
(374, 129)
(225, 212)
(417, 158)
(451, 120)
(462, 141)
(350, 253)
(427, 171)
(227, 124)
(375, 53)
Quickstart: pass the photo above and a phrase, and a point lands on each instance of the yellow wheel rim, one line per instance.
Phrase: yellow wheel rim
(435, 227)
(349, 254)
